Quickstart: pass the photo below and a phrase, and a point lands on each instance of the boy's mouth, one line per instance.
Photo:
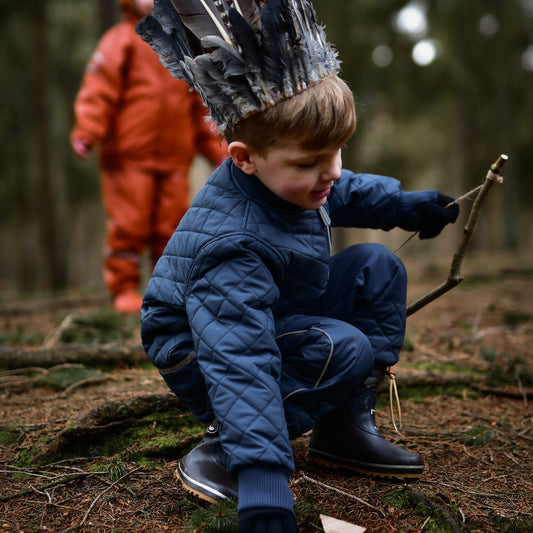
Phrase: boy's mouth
(321, 194)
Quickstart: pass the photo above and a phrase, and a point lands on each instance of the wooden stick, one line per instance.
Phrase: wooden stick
(455, 277)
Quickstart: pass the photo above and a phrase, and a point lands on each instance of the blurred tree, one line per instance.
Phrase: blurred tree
(47, 45)
(107, 15)
(50, 203)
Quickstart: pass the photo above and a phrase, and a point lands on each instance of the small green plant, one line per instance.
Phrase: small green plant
(116, 469)
(307, 516)
(221, 517)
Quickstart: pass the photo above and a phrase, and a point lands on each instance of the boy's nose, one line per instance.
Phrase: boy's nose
(333, 169)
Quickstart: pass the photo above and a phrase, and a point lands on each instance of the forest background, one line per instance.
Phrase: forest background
(443, 87)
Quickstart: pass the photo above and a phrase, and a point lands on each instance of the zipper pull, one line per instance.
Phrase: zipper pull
(326, 221)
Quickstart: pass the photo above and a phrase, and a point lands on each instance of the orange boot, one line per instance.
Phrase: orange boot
(128, 302)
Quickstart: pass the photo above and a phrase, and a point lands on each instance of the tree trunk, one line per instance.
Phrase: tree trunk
(48, 203)
(106, 15)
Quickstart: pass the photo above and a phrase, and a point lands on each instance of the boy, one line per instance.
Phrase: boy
(149, 127)
(252, 323)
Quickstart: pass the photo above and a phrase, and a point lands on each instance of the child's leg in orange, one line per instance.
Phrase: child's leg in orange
(128, 200)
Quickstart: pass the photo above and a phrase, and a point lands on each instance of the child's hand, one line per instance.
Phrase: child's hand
(267, 520)
(81, 147)
(435, 215)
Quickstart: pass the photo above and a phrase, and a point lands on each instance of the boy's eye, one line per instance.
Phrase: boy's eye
(306, 164)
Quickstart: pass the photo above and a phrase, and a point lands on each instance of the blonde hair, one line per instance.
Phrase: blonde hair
(322, 115)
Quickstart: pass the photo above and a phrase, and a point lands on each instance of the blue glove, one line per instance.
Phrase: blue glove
(434, 216)
(267, 520)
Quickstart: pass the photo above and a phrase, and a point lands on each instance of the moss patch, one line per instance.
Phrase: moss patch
(440, 517)
(8, 435)
(62, 377)
(102, 326)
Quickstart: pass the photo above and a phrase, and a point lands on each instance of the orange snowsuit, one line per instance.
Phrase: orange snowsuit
(149, 127)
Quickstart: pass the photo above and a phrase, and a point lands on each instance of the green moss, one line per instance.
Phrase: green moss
(20, 337)
(8, 435)
(397, 498)
(442, 368)
(130, 439)
(521, 524)
(61, 378)
(25, 458)
(478, 436)
(515, 318)
(104, 325)
(441, 517)
(419, 393)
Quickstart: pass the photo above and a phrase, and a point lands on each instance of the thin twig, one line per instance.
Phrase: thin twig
(303, 477)
(456, 201)
(455, 277)
(103, 492)
(412, 236)
(424, 524)
(471, 492)
(86, 381)
(57, 481)
(53, 337)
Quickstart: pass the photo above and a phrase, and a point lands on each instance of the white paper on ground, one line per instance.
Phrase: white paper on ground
(333, 525)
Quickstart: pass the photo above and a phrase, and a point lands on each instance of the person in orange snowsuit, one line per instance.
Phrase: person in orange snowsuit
(149, 127)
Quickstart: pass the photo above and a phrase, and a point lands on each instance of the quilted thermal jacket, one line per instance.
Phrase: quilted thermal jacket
(241, 260)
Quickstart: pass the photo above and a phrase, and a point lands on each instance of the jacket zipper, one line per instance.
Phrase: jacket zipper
(326, 221)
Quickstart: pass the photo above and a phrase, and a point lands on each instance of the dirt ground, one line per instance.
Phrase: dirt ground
(466, 388)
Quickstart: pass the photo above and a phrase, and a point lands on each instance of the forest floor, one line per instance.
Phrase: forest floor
(90, 436)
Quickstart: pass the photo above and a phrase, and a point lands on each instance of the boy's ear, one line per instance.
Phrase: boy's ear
(241, 155)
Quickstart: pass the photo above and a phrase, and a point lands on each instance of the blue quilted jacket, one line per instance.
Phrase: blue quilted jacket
(241, 260)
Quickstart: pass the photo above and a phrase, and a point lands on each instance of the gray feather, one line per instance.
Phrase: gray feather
(241, 56)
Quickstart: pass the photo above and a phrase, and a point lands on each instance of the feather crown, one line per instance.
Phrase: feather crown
(241, 56)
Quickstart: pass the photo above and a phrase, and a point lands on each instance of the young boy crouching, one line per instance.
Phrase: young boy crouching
(263, 333)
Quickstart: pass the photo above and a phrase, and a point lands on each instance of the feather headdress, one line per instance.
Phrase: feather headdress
(241, 56)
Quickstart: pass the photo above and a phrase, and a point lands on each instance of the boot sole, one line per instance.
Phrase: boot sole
(402, 472)
(197, 489)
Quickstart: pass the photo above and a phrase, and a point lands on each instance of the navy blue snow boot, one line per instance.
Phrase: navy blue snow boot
(347, 437)
(202, 471)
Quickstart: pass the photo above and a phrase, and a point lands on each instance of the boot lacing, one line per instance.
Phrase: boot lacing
(393, 391)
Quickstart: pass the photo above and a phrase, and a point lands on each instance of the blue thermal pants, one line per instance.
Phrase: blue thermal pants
(359, 320)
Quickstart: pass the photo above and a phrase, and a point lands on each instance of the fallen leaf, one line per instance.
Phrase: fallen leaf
(333, 525)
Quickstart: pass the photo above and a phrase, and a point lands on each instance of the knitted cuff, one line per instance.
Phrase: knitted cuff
(264, 486)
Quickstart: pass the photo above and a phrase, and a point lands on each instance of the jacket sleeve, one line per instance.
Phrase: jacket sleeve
(372, 201)
(229, 301)
(208, 142)
(101, 87)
